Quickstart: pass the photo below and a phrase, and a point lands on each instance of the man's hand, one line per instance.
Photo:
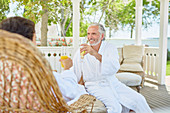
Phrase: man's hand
(91, 51)
(67, 63)
(87, 49)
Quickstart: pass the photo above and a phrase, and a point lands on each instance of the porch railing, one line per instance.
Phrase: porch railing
(150, 64)
(52, 54)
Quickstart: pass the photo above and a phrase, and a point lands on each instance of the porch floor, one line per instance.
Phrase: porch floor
(157, 96)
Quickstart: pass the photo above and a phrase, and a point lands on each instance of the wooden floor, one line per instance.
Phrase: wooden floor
(157, 96)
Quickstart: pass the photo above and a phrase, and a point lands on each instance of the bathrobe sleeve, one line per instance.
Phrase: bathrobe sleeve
(69, 88)
(69, 74)
(110, 60)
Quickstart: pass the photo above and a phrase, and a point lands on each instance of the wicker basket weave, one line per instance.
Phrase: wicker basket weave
(27, 83)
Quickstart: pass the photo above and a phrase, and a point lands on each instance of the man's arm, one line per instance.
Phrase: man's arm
(91, 51)
(97, 55)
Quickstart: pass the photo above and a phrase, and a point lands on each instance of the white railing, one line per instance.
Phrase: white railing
(52, 54)
(151, 60)
(150, 64)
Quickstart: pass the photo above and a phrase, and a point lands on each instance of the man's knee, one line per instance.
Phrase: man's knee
(140, 99)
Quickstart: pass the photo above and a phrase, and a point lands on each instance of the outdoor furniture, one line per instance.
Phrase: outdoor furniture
(98, 107)
(132, 60)
(130, 79)
(27, 83)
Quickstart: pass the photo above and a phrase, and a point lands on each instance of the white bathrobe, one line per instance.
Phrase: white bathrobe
(69, 87)
(100, 81)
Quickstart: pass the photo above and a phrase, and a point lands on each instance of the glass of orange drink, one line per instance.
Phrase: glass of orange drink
(83, 41)
(63, 57)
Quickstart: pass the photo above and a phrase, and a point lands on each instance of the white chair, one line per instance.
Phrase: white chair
(132, 60)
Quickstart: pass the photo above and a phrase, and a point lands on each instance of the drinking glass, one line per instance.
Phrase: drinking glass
(63, 55)
(84, 40)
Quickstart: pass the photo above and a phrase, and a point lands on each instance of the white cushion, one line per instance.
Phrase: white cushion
(131, 67)
(133, 53)
(129, 79)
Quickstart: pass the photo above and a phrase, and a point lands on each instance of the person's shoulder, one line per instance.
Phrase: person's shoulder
(109, 45)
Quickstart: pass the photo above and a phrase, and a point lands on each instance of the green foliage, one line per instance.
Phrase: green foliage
(168, 63)
(83, 28)
(33, 9)
(4, 9)
(59, 11)
(168, 68)
(114, 12)
(168, 55)
(150, 13)
(127, 14)
(69, 32)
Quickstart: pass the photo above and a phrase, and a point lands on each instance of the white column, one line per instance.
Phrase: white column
(138, 22)
(164, 5)
(76, 24)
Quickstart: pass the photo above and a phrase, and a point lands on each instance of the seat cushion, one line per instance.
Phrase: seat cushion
(133, 53)
(129, 79)
(136, 67)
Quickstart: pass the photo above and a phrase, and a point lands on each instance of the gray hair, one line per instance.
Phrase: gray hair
(101, 28)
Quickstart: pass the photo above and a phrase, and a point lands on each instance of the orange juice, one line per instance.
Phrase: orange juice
(63, 57)
(83, 41)
(82, 54)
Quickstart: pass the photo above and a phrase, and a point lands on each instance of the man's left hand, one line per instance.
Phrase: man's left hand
(91, 51)
(88, 49)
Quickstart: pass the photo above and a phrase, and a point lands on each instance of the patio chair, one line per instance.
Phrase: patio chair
(132, 61)
(27, 83)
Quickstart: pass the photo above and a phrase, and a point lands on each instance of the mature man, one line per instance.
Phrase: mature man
(98, 68)
(67, 80)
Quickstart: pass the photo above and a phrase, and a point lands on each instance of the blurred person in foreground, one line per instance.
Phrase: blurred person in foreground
(98, 69)
(66, 80)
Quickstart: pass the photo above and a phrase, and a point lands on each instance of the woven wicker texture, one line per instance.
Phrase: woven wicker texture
(27, 83)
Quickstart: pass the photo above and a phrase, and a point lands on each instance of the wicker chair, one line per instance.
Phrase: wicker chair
(27, 83)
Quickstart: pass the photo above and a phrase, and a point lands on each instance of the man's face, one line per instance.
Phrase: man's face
(93, 35)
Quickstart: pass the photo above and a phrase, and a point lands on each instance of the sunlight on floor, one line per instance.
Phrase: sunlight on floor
(151, 84)
(163, 110)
